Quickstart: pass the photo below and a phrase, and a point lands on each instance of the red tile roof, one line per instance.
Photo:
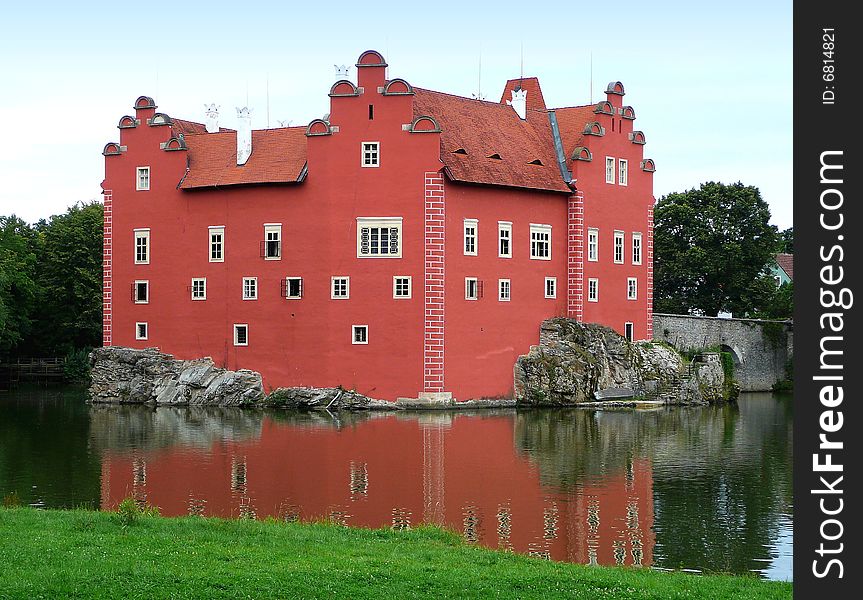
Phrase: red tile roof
(485, 128)
(786, 263)
(184, 127)
(278, 156)
(535, 101)
(571, 121)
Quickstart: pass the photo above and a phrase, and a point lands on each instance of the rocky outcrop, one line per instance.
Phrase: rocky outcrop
(579, 363)
(130, 376)
(309, 398)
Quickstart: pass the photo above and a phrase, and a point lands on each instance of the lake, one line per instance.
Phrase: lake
(704, 488)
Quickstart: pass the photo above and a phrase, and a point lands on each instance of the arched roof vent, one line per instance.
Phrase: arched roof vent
(637, 137)
(604, 108)
(424, 124)
(127, 122)
(398, 87)
(648, 165)
(343, 87)
(582, 153)
(112, 149)
(615, 87)
(144, 102)
(159, 119)
(371, 58)
(318, 127)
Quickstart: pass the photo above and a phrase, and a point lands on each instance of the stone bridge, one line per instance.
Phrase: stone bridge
(761, 349)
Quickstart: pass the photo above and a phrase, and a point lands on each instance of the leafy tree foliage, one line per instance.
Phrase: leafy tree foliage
(711, 247)
(17, 280)
(786, 241)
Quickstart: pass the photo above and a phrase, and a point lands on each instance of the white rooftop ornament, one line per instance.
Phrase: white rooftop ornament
(341, 71)
(519, 102)
(244, 134)
(212, 122)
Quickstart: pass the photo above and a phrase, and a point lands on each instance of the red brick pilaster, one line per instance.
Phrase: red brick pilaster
(575, 257)
(107, 268)
(650, 273)
(433, 343)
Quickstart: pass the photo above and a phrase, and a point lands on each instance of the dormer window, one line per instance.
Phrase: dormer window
(142, 181)
(459, 151)
(495, 156)
(371, 154)
(535, 162)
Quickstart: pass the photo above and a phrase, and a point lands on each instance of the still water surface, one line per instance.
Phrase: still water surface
(706, 488)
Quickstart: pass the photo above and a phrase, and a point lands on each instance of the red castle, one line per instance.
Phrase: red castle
(409, 244)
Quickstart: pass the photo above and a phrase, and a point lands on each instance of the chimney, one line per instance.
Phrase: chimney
(519, 102)
(341, 72)
(212, 122)
(244, 134)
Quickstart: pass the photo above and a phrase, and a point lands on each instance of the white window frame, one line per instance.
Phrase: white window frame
(622, 172)
(202, 280)
(619, 245)
(380, 223)
(142, 186)
(631, 327)
(354, 329)
(374, 154)
(632, 288)
(553, 282)
(475, 281)
(501, 285)
(237, 337)
(211, 231)
(610, 175)
(539, 229)
(398, 296)
(138, 335)
(471, 233)
(247, 288)
(142, 234)
(592, 244)
(504, 227)
(268, 229)
(288, 287)
(333, 280)
(593, 289)
(637, 247)
(146, 283)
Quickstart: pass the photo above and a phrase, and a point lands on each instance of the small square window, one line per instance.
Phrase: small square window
(551, 287)
(609, 169)
(250, 288)
(199, 288)
(593, 290)
(470, 237)
(341, 288)
(503, 290)
(371, 154)
(471, 288)
(217, 244)
(401, 286)
(632, 288)
(141, 292)
(241, 334)
(142, 180)
(141, 331)
(360, 334)
(504, 237)
(293, 288)
(142, 246)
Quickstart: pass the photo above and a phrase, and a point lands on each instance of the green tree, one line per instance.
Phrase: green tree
(711, 247)
(786, 241)
(17, 281)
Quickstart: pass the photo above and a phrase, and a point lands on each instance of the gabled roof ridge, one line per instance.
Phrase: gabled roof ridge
(568, 107)
(488, 102)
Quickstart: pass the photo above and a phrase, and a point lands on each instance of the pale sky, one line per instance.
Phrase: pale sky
(710, 82)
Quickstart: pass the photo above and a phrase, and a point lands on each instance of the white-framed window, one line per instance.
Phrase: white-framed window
(379, 237)
(293, 289)
(142, 179)
(593, 290)
(272, 246)
(504, 239)
(371, 152)
(551, 287)
(250, 288)
(593, 244)
(141, 291)
(609, 169)
(217, 244)
(340, 288)
(618, 247)
(470, 236)
(401, 286)
(504, 290)
(540, 241)
(241, 334)
(359, 334)
(632, 288)
(636, 248)
(142, 246)
(471, 288)
(142, 331)
(628, 331)
(622, 171)
(199, 288)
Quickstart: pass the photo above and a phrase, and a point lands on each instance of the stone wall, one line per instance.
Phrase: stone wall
(761, 349)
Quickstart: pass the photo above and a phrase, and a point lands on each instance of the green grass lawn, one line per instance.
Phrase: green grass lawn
(88, 554)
